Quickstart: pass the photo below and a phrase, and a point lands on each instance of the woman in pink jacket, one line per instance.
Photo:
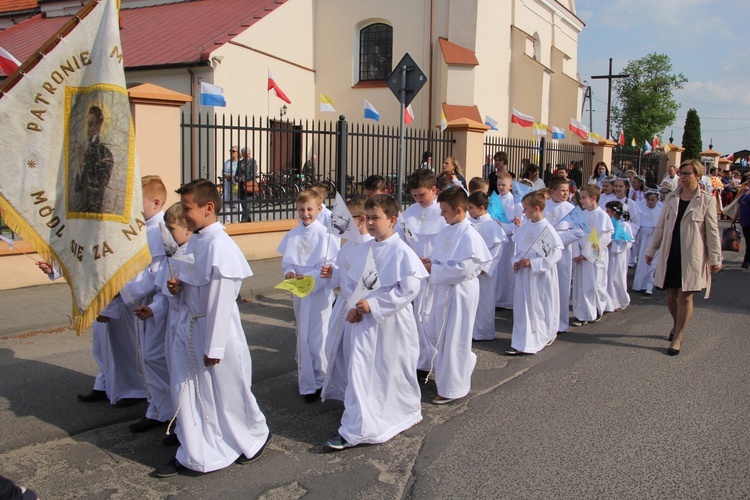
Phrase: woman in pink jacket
(687, 239)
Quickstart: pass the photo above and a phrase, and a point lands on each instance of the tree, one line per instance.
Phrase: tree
(691, 137)
(646, 104)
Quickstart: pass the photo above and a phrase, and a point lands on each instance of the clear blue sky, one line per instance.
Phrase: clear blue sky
(706, 41)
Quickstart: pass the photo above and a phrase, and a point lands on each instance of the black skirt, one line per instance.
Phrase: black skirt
(673, 276)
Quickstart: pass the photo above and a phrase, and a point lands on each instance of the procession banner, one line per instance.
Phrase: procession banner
(71, 183)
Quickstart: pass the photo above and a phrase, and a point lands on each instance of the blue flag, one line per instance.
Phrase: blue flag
(577, 218)
(497, 210)
(620, 233)
(520, 190)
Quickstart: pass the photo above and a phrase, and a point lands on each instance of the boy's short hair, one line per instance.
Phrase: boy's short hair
(592, 190)
(153, 188)
(374, 183)
(203, 192)
(545, 192)
(556, 182)
(422, 178)
(356, 205)
(478, 184)
(321, 189)
(535, 199)
(505, 176)
(479, 199)
(443, 182)
(174, 215)
(309, 195)
(384, 202)
(454, 197)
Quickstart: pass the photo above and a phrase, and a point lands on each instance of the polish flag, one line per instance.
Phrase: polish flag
(276, 90)
(655, 141)
(408, 115)
(579, 128)
(521, 119)
(621, 139)
(8, 63)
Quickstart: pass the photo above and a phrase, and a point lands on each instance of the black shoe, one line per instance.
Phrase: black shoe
(745, 265)
(92, 396)
(671, 337)
(598, 318)
(243, 460)
(171, 468)
(577, 322)
(171, 440)
(145, 424)
(312, 398)
(422, 374)
(514, 352)
(673, 352)
(126, 402)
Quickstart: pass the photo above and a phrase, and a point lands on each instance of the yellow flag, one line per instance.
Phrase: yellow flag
(299, 287)
(591, 250)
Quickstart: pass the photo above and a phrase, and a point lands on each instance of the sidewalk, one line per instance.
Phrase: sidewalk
(47, 307)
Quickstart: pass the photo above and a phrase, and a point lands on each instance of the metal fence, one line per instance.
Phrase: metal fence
(540, 152)
(630, 158)
(289, 155)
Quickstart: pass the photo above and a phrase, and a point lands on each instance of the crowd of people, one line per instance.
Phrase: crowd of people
(415, 289)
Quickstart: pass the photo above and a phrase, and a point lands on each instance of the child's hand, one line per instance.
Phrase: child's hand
(579, 259)
(45, 267)
(102, 319)
(174, 286)
(326, 272)
(208, 362)
(427, 263)
(649, 260)
(609, 245)
(143, 312)
(362, 307)
(516, 221)
(290, 275)
(353, 316)
(521, 264)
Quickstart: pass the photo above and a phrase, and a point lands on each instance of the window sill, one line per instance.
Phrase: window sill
(370, 84)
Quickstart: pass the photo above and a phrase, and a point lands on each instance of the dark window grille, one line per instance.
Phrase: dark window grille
(375, 52)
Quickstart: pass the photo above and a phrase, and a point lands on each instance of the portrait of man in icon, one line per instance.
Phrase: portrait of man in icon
(98, 152)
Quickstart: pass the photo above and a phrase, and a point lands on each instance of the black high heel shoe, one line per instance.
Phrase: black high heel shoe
(671, 337)
(673, 352)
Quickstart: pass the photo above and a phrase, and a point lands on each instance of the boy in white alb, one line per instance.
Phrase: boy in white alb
(457, 259)
(306, 249)
(555, 210)
(644, 273)
(536, 305)
(338, 338)
(425, 222)
(219, 421)
(382, 395)
(590, 261)
(505, 275)
(494, 237)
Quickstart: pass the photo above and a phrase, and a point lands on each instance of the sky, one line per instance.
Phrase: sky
(705, 41)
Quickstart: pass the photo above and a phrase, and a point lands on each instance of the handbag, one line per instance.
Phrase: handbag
(730, 239)
(251, 187)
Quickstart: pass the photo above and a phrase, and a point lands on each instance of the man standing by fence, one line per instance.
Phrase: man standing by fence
(246, 171)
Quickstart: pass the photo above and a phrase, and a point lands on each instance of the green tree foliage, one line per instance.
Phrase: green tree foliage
(646, 104)
(691, 137)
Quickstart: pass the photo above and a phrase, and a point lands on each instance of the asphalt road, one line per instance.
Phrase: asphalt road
(602, 413)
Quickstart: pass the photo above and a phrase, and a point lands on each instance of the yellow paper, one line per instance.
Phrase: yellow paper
(299, 287)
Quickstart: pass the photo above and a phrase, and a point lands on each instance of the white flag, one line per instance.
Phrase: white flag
(71, 181)
(367, 283)
(544, 243)
(409, 235)
(342, 224)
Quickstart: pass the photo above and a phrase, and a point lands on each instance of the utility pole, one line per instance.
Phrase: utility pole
(609, 77)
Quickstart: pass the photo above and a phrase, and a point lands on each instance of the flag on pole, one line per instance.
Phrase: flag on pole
(646, 147)
(443, 121)
(544, 243)
(367, 283)
(521, 119)
(212, 95)
(591, 249)
(620, 233)
(370, 112)
(667, 148)
(656, 141)
(621, 139)
(558, 133)
(633, 143)
(276, 89)
(326, 104)
(496, 209)
(594, 138)
(342, 223)
(490, 122)
(577, 218)
(520, 190)
(579, 128)
(409, 235)
(72, 183)
(8, 63)
(408, 115)
(539, 129)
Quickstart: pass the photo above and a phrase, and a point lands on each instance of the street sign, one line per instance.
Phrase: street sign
(415, 79)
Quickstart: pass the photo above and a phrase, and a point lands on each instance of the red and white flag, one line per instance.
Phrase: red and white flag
(655, 141)
(621, 139)
(276, 90)
(579, 128)
(521, 119)
(408, 115)
(8, 63)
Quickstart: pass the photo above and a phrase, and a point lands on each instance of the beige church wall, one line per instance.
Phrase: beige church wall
(460, 85)
(533, 18)
(565, 98)
(462, 23)
(526, 86)
(18, 270)
(336, 55)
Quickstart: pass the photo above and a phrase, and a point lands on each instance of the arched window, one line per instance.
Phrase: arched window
(375, 52)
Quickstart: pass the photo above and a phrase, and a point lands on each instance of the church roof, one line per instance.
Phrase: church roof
(176, 34)
(7, 6)
(455, 55)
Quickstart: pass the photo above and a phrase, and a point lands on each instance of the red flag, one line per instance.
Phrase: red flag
(621, 139)
(276, 90)
(408, 115)
(8, 63)
(579, 128)
(655, 141)
(521, 119)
